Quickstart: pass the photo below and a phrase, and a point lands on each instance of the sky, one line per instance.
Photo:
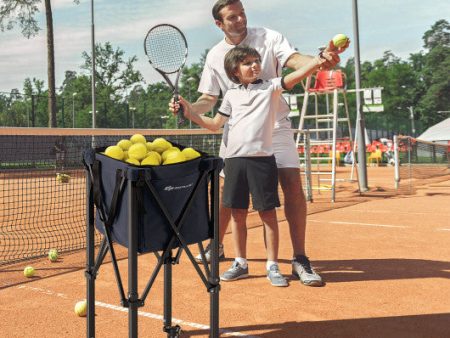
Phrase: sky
(395, 25)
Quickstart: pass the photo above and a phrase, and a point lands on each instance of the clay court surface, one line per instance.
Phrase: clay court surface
(384, 257)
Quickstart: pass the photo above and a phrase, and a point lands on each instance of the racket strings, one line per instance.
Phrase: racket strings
(166, 48)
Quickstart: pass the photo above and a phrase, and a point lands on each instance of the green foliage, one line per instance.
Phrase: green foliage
(125, 101)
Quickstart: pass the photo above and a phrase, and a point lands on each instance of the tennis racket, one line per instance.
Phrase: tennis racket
(166, 49)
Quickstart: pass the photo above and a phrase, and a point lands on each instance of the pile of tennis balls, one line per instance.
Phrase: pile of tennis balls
(138, 151)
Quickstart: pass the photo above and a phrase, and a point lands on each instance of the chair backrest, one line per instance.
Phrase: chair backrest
(328, 80)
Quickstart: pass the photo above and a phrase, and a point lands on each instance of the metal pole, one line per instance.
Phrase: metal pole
(360, 125)
(411, 116)
(73, 109)
(94, 108)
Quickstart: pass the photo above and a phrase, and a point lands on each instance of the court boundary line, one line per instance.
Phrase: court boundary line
(140, 313)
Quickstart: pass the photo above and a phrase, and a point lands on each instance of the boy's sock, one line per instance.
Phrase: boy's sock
(242, 261)
(269, 264)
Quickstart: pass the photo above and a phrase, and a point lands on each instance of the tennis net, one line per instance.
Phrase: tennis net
(419, 162)
(43, 186)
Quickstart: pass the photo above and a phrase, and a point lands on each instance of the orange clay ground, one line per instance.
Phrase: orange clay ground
(384, 257)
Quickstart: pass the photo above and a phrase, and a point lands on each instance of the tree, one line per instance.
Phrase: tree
(115, 78)
(22, 12)
(434, 73)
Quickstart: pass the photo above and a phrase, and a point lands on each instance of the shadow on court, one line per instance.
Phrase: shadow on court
(430, 325)
(356, 270)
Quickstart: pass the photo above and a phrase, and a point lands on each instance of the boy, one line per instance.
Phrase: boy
(250, 166)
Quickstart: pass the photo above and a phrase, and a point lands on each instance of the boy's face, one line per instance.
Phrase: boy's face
(248, 70)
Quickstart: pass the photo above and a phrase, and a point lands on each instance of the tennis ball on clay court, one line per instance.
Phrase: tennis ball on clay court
(137, 151)
(28, 271)
(53, 255)
(138, 138)
(124, 144)
(114, 152)
(190, 153)
(339, 40)
(160, 145)
(132, 161)
(81, 308)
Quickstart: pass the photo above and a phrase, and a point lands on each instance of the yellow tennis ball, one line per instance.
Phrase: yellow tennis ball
(28, 271)
(114, 152)
(190, 153)
(152, 159)
(137, 151)
(124, 144)
(132, 161)
(138, 138)
(53, 255)
(160, 145)
(340, 40)
(81, 308)
(174, 157)
(169, 151)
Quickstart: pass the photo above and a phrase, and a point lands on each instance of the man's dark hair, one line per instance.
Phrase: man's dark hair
(234, 57)
(218, 7)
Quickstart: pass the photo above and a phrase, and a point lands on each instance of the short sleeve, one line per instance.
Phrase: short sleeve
(225, 108)
(209, 83)
(282, 48)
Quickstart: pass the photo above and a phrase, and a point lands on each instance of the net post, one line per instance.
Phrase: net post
(396, 163)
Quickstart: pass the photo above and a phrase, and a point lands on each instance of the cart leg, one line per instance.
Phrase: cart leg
(90, 277)
(214, 292)
(133, 301)
(172, 331)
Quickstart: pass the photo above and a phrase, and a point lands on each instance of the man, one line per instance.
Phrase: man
(276, 52)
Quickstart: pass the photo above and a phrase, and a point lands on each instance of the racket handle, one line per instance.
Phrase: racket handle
(180, 112)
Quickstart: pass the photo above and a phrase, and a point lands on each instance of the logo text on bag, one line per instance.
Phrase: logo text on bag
(170, 188)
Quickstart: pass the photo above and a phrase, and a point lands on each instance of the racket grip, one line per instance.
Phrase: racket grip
(180, 113)
(180, 116)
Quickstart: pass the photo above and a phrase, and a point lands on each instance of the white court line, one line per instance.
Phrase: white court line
(443, 229)
(140, 313)
(396, 212)
(357, 223)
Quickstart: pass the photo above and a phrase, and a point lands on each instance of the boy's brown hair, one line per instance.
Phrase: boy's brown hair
(234, 57)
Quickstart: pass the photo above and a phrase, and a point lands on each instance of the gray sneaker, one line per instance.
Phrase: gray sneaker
(302, 269)
(275, 277)
(198, 258)
(234, 273)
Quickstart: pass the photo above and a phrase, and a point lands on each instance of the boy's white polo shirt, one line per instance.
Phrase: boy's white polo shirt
(252, 114)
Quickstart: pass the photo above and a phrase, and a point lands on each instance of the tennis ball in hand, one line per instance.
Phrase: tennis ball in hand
(81, 308)
(340, 40)
(28, 271)
(53, 255)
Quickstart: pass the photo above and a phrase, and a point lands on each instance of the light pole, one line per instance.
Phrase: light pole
(73, 109)
(133, 109)
(411, 116)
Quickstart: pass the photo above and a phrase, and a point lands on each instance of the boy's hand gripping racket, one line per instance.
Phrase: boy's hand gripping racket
(166, 49)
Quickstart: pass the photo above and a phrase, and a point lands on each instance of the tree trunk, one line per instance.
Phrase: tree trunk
(50, 66)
